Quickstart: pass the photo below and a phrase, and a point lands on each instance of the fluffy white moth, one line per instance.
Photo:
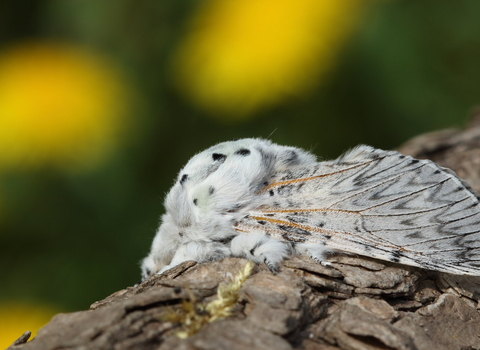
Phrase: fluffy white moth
(255, 199)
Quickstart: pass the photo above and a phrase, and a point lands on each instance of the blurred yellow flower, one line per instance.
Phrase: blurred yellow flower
(17, 317)
(59, 105)
(240, 56)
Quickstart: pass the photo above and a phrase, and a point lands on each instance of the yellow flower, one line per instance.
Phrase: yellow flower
(240, 56)
(18, 317)
(59, 105)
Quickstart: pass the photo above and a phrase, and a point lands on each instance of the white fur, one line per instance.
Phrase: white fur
(235, 180)
(255, 199)
(260, 248)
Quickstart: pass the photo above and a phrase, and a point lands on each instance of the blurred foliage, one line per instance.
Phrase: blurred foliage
(81, 194)
(59, 105)
(235, 59)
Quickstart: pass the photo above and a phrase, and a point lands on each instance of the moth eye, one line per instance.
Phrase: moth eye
(180, 234)
(195, 201)
(183, 179)
(211, 190)
(218, 157)
(243, 152)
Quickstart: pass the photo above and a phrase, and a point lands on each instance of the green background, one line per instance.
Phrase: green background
(69, 240)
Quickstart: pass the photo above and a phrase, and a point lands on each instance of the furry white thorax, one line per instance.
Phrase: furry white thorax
(212, 192)
(255, 199)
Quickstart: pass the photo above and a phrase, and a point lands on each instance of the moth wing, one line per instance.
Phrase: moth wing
(375, 203)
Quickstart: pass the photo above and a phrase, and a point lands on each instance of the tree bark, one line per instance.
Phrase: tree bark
(358, 303)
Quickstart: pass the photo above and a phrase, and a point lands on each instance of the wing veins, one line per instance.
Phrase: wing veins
(442, 238)
(407, 195)
(304, 179)
(358, 212)
(323, 231)
(390, 167)
(413, 213)
(380, 184)
(425, 226)
(307, 210)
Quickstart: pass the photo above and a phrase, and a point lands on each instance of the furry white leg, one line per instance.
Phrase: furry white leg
(317, 251)
(197, 251)
(260, 248)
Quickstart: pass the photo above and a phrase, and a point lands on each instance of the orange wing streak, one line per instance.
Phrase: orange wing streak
(292, 224)
(319, 230)
(308, 210)
(304, 179)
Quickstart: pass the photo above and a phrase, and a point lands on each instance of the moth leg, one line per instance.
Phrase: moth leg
(260, 248)
(197, 251)
(317, 251)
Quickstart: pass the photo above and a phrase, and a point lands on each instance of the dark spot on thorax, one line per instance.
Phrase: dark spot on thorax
(292, 157)
(267, 158)
(218, 157)
(243, 152)
(183, 179)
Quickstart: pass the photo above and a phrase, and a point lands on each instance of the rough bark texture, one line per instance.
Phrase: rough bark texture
(358, 303)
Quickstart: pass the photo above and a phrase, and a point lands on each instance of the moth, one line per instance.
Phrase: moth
(256, 199)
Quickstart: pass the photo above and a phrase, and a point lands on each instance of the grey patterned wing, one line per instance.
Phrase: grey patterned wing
(375, 203)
